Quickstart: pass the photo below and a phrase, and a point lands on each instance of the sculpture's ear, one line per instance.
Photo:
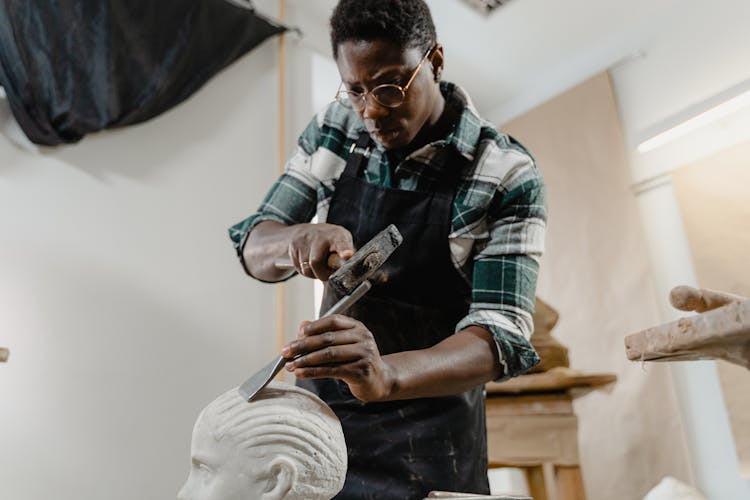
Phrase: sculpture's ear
(282, 476)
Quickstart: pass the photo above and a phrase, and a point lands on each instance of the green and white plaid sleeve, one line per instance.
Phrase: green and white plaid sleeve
(306, 187)
(293, 198)
(506, 266)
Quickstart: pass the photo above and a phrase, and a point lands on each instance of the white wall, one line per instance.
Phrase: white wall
(700, 53)
(702, 50)
(120, 296)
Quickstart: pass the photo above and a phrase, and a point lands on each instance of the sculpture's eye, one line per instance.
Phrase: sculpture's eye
(201, 466)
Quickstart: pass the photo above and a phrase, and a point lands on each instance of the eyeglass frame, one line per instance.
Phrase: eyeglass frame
(403, 90)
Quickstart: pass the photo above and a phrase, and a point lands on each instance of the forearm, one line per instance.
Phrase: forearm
(463, 361)
(266, 243)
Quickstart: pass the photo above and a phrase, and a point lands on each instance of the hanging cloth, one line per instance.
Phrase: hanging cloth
(72, 67)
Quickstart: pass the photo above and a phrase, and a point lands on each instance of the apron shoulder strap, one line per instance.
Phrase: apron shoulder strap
(359, 153)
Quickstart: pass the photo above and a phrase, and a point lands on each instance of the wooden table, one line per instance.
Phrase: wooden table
(531, 425)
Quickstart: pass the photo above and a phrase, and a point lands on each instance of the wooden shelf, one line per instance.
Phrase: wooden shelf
(554, 380)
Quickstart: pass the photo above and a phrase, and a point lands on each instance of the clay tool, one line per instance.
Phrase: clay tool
(352, 280)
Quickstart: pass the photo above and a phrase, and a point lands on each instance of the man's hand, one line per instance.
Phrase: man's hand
(341, 347)
(308, 246)
(311, 244)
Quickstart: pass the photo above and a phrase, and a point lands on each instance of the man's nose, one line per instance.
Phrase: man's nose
(373, 109)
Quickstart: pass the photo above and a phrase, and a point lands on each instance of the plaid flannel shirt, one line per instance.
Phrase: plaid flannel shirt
(498, 217)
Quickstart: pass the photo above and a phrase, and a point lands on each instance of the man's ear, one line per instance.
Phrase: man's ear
(281, 477)
(437, 59)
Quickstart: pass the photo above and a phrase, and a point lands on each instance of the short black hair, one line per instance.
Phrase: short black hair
(407, 23)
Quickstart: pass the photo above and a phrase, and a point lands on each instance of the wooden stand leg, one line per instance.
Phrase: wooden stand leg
(569, 482)
(535, 478)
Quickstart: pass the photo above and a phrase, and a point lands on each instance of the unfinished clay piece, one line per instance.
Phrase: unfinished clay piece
(285, 444)
(721, 332)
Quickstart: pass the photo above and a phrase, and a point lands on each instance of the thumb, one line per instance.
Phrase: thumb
(343, 245)
(300, 330)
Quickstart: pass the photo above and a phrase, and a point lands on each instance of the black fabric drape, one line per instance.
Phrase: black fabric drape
(71, 67)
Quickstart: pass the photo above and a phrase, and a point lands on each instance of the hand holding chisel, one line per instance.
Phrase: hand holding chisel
(351, 280)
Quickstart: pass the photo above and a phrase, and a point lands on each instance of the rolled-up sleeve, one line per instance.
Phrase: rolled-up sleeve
(291, 200)
(305, 186)
(505, 270)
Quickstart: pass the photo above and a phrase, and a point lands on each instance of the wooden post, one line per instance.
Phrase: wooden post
(281, 152)
(535, 478)
(569, 483)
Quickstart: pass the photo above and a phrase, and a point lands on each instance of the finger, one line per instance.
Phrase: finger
(302, 262)
(351, 372)
(343, 371)
(307, 345)
(300, 330)
(342, 244)
(333, 355)
(293, 253)
(319, 261)
(329, 323)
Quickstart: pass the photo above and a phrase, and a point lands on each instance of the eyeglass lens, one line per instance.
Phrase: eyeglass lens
(385, 95)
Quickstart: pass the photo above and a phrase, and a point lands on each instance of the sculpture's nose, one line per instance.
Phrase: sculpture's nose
(182, 495)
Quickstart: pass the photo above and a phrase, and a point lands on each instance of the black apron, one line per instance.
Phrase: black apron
(402, 450)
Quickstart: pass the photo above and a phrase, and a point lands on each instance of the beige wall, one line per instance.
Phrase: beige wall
(596, 274)
(714, 199)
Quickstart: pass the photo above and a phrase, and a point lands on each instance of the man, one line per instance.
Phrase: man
(404, 369)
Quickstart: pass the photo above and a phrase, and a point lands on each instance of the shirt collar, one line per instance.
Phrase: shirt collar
(465, 134)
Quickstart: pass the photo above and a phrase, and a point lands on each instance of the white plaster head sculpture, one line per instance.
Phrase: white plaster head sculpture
(286, 444)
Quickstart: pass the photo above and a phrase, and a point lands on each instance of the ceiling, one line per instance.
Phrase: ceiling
(664, 55)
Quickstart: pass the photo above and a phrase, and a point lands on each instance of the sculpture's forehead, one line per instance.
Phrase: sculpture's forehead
(204, 445)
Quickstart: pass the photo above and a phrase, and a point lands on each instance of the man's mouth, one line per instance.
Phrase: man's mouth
(385, 135)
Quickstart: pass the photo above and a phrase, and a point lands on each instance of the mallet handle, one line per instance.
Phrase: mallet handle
(334, 262)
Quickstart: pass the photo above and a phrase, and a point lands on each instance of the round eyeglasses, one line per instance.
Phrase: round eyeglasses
(389, 95)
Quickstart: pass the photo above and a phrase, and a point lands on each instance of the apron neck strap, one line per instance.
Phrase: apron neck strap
(359, 153)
